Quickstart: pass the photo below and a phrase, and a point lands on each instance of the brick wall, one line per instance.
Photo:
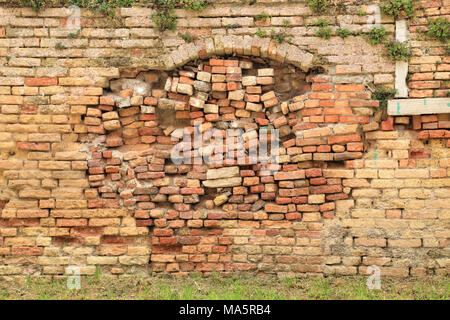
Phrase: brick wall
(86, 128)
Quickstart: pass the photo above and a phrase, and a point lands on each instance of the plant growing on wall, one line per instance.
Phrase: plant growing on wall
(361, 12)
(261, 33)
(262, 17)
(438, 29)
(383, 95)
(318, 6)
(164, 17)
(36, 5)
(398, 51)
(377, 35)
(195, 5)
(398, 8)
(280, 36)
(324, 30)
(106, 7)
(343, 32)
(60, 46)
(187, 36)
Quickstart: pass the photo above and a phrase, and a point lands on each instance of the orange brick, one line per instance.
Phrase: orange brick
(350, 87)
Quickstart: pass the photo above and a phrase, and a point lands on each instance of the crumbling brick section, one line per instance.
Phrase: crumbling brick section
(196, 207)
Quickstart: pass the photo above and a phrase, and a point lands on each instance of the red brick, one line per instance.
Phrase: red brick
(39, 82)
(344, 139)
(28, 109)
(107, 100)
(423, 135)
(417, 122)
(331, 103)
(231, 63)
(419, 154)
(291, 175)
(329, 111)
(151, 101)
(293, 216)
(322, 87)
(26, 251)
(364, 103)
(429, 118)
(274, 208)
(281, 200)
(192, 191)
(219, 69)
(355, 146)
(33, 146)
(354, 119)
(215, 215)
(318, 181)
(219, 86)
(388, 125)
(316, 172)
(438, 134)
(348, 69)
(216, 62)
(350, 87)
(324, 148)
(326, 189)
(424, 84)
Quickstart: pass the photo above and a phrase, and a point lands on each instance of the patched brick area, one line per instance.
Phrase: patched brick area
(224, 185)
(96, 170)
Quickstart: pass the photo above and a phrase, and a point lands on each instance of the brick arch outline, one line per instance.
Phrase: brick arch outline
(234, 45)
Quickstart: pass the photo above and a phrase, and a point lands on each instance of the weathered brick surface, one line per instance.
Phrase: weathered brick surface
(86, 134)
